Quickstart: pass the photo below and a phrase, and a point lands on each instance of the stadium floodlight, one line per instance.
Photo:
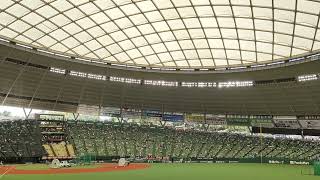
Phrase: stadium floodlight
(125, 80)
(161, 83)
(207, 84)
(308, 77)
(77, 73)
(198, 84)
(189, 84)
(235, 84)
(116, 79)
(57, 70)
(302, 78)
(96, 76)
(132, 81)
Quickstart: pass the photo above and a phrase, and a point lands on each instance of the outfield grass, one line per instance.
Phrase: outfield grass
(189, 172)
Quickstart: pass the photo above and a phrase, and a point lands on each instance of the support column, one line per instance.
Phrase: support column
(59, 92)
(16, 79)
(83, 86)
(27, 114)
(75, 116)
(99, 112)
(204, 121)
(6, 56)
(261, 143)
(121, 115)
(250, 124)
(162, 122)
(250, 129)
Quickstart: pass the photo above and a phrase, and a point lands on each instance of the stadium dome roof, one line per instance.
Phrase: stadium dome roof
(166, 33)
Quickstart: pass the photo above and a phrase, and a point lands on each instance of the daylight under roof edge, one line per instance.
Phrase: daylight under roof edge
(312, 56)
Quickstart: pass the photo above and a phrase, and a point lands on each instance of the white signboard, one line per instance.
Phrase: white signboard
(88, 110)
(131, 114)
(286, 123)
(110, 111)
(262, 124)
(215, 119)
(310, 124)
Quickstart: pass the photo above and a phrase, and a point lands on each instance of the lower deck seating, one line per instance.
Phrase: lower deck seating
(70, 150)
(48, 149)
(60, 149)
(20, 139)
(110, 139)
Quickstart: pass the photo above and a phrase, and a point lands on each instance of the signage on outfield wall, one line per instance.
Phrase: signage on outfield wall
(299, 162)
(215, 119)
(275, 162)
(289, 122)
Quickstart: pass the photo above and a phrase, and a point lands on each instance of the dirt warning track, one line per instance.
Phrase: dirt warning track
(102, 168)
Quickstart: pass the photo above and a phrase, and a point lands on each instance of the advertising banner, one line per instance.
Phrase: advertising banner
(173, 117)
(150, 113)
(195, 118)
(167, 116)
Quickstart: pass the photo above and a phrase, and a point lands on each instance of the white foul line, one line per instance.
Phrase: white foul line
(1, 176)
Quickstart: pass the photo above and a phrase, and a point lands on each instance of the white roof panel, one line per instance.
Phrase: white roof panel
(159, 33)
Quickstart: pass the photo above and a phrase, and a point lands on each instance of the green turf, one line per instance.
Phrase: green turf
(189, 172)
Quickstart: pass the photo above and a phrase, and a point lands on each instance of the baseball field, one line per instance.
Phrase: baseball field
(160, 172)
